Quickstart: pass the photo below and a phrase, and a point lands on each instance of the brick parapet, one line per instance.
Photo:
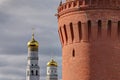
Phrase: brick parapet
(80, 5)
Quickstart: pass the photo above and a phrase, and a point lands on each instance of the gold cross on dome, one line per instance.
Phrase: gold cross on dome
(33, 30)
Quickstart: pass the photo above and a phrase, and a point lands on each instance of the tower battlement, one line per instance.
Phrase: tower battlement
(75, 5)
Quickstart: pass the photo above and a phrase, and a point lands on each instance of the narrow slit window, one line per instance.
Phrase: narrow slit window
(65, 33)
(36, 72)
(32, 73)
(71, 29)
(73, 53)
(69, 5)
(99, 27)
(118, 29)
(89, 29)
(109, 28)
(80, 30)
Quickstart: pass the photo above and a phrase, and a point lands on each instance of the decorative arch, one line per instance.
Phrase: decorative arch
(89, 28)
(99, 28)
(72, 32)
(80, 30)
(109, 26)
(61, 34)
(65, 33)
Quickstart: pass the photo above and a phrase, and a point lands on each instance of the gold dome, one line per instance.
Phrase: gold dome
(52, 63)
(33, 42)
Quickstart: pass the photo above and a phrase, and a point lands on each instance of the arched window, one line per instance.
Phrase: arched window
(36, 72)
(65, 33)
(73, 53)
(74, 4)
(109, 27)
(71, 29)
(80, 30)
(60, 32)
(51, 71)
(118, 29)
(99, 27)
(69, 5)
(32, 73)
(89, 29)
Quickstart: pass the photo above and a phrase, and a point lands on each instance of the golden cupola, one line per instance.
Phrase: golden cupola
(52, 62)
(33, 42)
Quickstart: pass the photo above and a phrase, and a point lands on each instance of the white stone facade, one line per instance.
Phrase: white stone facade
(32, 72)
(52, 73)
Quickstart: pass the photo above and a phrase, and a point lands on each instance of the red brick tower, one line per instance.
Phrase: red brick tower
(90, 36)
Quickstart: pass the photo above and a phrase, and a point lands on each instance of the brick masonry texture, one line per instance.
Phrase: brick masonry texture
(89, 32)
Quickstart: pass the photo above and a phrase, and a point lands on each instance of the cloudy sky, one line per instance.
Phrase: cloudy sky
(17, 18)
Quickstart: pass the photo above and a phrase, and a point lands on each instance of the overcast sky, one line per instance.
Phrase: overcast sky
(17, 18)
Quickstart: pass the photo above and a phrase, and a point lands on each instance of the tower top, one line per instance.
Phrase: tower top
(60, 3)
(52, 62)
(33, 42)
(70, 0)
(80, 5)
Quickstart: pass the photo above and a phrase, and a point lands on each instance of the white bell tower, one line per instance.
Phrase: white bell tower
(32, 71)
(52, 70)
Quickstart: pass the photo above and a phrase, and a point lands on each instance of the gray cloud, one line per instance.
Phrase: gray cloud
(17, 18)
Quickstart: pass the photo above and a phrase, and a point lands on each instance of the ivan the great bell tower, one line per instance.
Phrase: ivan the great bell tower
(90, 37)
